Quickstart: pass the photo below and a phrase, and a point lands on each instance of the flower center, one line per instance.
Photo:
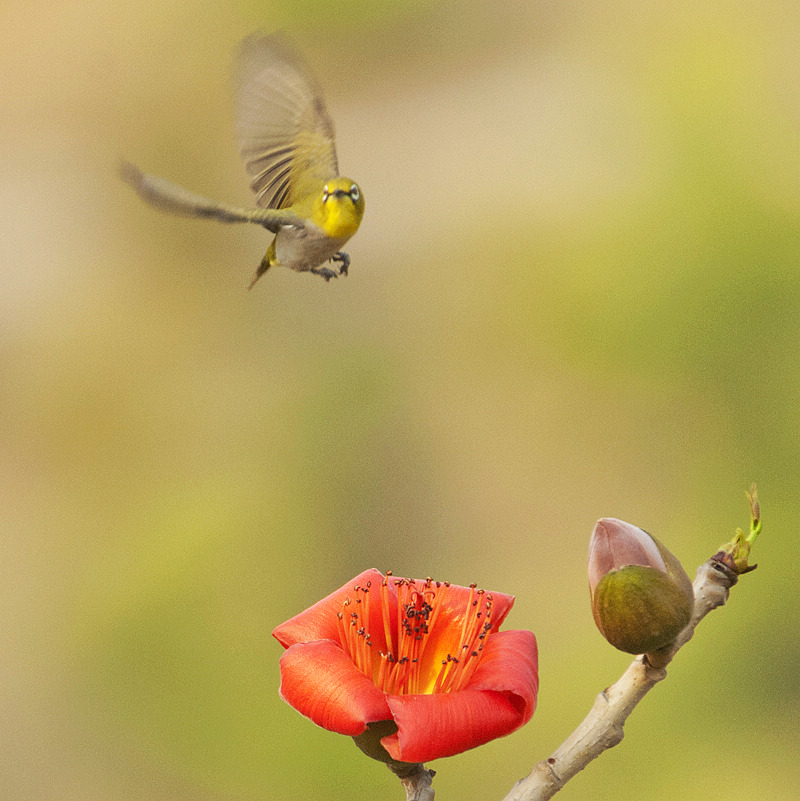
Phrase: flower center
(433, 642)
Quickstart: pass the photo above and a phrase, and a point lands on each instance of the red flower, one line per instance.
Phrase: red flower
(425, 654)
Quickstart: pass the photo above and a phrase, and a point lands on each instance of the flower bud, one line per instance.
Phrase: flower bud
(735, 555)
(641, 596)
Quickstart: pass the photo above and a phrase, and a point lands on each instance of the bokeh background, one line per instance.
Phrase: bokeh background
(575, 294)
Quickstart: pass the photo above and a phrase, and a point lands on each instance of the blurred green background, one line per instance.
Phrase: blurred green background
(575, 294)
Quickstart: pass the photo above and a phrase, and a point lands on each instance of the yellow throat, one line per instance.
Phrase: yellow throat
(338, 208)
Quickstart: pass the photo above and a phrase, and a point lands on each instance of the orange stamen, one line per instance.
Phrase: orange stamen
(408, 666)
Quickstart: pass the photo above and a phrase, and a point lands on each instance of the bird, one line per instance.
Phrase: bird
(286, 139)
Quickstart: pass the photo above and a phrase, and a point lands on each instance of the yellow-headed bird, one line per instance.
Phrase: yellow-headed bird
(286, 139)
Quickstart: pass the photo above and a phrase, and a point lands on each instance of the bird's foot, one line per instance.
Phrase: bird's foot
(324, 272)
(344, 261)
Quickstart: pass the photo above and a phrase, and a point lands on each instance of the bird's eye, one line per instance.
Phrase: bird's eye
(354, 193)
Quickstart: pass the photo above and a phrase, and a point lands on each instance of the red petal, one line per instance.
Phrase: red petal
(433, 726)
(320, 621)
(498, 700)
(510, 664)
(321, 682)
(501, 606)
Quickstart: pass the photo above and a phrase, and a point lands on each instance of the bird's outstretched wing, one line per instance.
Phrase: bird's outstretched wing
(170, 197)
(286, 137)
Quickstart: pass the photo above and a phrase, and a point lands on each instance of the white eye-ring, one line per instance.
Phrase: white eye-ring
(354, 193)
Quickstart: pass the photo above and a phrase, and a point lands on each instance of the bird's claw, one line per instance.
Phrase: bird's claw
(324, 272)
(327, 274)
(344, 261)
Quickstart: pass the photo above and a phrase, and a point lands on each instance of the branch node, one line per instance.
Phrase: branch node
(727, 575)
(546, 773)
(549, 766)
(616, 734)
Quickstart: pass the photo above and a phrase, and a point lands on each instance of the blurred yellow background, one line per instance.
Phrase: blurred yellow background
(575, 294)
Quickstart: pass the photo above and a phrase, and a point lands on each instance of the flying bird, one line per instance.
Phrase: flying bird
(286, 139)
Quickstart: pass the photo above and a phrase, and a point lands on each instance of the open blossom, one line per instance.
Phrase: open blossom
(423, 654)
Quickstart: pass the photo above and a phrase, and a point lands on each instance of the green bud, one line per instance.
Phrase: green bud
(641, 596)
(736, 554)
